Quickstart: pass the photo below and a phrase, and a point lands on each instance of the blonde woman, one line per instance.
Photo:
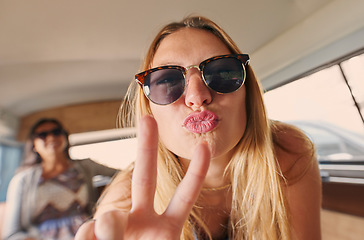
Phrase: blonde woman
(224, 170)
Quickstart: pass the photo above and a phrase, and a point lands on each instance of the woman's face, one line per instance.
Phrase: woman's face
(200, 114)
(50, 145)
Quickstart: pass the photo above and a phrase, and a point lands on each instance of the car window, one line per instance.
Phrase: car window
(328, 106)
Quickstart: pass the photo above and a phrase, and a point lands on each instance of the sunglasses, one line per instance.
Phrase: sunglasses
(55, 132)
(166, 84)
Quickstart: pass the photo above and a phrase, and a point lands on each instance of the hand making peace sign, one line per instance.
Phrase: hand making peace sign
(142, 222)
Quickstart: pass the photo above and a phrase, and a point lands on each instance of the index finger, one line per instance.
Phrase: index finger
(145, 170)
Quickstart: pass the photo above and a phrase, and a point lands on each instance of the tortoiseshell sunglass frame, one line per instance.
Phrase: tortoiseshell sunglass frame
(244, 58)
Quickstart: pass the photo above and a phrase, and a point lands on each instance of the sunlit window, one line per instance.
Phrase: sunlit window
(354, 70)
(114, 148)
(327, 105)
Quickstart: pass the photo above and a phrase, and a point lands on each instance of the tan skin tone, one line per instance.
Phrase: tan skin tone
(213, 152)
(51, 150)
(142, 222)
(189, 51)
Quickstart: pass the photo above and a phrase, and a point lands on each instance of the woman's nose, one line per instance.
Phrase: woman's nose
(49, 137)
(197, 93)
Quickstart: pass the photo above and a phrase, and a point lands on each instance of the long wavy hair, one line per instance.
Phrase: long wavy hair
(259, 209)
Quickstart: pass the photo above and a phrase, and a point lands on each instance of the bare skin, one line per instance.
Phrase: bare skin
(51, 149)
(121, 207)
(142, 222)
(303, 198)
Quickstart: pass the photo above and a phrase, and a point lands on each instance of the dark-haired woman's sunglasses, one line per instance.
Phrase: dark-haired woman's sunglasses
(43, 135)
(165, 85)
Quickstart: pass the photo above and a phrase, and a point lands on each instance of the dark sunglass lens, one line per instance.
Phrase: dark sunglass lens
(57, 132)
(164, 86)
(42, 135)
(224, 75)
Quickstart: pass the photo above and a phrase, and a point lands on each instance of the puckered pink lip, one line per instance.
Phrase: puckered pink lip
(201, 122)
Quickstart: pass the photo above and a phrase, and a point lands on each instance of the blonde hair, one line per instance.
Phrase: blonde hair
(258, 204)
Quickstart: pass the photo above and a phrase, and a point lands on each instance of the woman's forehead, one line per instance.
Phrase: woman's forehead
(46, 126)
(188, 43)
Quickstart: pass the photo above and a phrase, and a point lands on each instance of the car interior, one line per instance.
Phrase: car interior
(74, 61)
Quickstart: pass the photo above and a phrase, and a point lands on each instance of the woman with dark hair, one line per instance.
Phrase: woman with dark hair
(53, 194)
(32, 157)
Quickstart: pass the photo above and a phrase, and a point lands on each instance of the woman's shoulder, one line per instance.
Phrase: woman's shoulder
(290, 137)
(22, 179)
(295, 152)
(26, 172)
(117, 194)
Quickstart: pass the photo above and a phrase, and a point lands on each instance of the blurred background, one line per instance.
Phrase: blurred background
(73, 60)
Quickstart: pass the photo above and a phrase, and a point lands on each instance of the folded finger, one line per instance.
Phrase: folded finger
(145, 170)
(189, 189)
(111, 225)
(86, 231)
